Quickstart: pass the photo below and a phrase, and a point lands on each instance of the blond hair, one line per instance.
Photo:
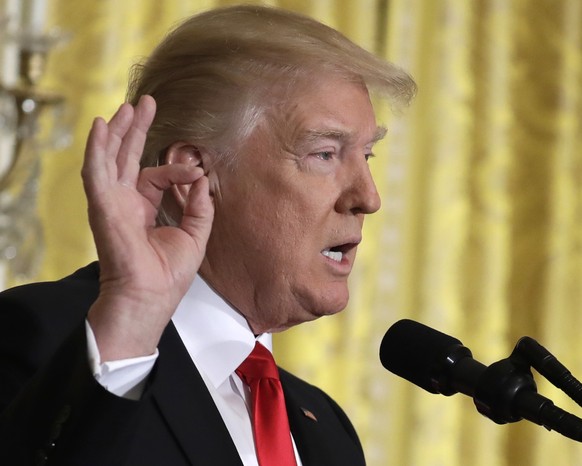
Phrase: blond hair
(215, 76)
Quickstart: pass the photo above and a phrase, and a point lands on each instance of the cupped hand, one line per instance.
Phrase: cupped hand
(145, 269)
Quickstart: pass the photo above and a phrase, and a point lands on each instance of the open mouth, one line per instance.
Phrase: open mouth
(336, 253)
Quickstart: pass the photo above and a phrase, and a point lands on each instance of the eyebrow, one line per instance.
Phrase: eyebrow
(339, 135)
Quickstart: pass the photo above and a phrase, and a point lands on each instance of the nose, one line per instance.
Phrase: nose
(360, 195)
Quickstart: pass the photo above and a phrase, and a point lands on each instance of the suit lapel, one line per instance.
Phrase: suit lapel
(187, 406)
(306, 430)
(323, 434)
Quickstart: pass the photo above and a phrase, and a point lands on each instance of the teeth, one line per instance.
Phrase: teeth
(333, 255)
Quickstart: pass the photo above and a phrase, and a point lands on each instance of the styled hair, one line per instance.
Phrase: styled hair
(216, 75)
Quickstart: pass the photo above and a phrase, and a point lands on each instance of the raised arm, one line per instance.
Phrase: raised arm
(145, 269)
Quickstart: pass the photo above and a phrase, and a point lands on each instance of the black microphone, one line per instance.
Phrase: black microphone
(504, 392)
(430, 359)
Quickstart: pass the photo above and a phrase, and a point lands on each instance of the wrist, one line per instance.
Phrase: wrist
(124, 328)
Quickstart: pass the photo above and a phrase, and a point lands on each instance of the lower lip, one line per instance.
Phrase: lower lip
(344, 266)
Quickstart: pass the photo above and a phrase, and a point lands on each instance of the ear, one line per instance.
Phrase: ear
(186, 153)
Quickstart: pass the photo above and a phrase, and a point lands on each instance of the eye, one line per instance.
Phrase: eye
(369, 156)
(324, 155)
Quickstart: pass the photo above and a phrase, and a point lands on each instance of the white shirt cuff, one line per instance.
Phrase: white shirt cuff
(124, 377)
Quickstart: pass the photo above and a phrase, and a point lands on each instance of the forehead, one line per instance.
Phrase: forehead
(332, 109)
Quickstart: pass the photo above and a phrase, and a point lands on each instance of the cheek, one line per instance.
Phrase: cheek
(281, 241)
(282, 235)
(280, 217)
(296, 224)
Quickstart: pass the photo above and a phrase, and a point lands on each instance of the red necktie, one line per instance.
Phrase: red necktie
(270, 423)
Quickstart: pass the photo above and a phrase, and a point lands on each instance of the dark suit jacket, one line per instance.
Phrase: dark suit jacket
(54, 412)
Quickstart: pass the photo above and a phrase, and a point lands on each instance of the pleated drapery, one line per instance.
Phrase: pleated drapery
(480, 234)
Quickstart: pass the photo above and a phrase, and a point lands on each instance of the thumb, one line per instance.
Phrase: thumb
(198, 212)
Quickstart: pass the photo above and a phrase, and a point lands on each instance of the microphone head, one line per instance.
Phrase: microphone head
(421, 355)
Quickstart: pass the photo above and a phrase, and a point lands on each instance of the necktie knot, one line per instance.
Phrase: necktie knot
(258, 365)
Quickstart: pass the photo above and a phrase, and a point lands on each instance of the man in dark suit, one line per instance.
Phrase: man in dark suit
(226, 201)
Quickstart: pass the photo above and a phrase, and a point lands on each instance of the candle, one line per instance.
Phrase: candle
(33, 15)
(9, 49)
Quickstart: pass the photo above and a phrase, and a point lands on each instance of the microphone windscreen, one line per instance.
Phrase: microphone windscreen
(416, 352)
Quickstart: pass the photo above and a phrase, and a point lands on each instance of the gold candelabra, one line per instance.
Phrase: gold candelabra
(25, 132)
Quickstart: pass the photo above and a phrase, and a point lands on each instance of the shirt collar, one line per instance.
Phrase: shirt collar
(217, 337)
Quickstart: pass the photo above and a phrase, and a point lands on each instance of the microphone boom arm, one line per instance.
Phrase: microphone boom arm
(531, 352)
(506, 391)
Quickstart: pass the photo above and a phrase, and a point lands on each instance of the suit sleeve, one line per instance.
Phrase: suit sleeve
(52, 410)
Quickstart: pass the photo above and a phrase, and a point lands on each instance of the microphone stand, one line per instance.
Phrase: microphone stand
(506, 390)
(530, 351)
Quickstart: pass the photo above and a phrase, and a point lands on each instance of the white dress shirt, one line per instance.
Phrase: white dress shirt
(218, 339)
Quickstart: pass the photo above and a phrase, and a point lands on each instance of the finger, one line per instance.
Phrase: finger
(153, 181)
(198, 212)
(93, 171)
(99, 165)
(133, 142)
(117, 128)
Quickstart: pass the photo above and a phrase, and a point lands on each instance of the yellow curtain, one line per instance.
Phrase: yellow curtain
(480, 234)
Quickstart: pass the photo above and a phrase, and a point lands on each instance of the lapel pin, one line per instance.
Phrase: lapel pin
(309, 414)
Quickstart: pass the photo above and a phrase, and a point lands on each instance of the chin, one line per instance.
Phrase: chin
(332, 304)
(339, 298)
(335, 310)
(311, 313)
(312, 304)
